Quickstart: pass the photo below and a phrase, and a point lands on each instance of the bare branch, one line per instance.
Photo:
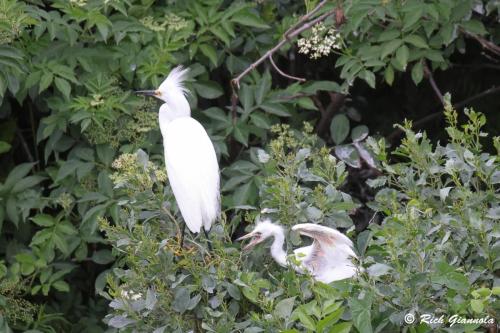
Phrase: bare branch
(305, 18)
(439, 114)
(434, 86)
(284, 40)
(300, 79)
(493, 48)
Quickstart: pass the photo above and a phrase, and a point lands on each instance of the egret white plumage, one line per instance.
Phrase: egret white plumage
(190, 158)
(327, 259)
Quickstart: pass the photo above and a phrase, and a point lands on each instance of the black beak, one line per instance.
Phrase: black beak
(147, 92)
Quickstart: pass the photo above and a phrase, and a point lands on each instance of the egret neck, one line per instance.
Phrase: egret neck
(174, 108)
(277, 251)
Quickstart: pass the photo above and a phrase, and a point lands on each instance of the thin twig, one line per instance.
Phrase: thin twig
(235, 83)
(24, 144)
(434, 86)
(438, 114)
(337, 100)
(493, 48)
(305, 18)
(306, 26)
(466, 101)
(291, 77)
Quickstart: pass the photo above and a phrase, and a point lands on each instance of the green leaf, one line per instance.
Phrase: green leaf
(361, 313)
(389, 75)
(369, 77)
(412, 17)
(263, 88)
(208, 89)
(416, 41)
(45, 81)
(260, 120)
(388, 35)
(276, 109)
(241, 133)
(402, 54)
(312, 88)
(181, 300)
(306, 103)
(477, 305)
(417, 72)
(221, 34)
(284, 308)
(329, 320)
(26, 183)
(341, 328)
(434, 55)
(249, 19)
(63, 86)
(210, 52)
(474, 26)
(217, 114)
(390, 47)
(4, 147)
(61, 286)
(339, 128)
(246, 97)
(43, 220)
(359, 133)
(103, 257)
(306, 320)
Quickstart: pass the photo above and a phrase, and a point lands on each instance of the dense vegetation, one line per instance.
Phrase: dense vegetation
(89, 228)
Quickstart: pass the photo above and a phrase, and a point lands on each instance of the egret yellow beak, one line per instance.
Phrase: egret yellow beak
(256, 239)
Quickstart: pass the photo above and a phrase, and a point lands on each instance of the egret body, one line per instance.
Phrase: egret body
(327, 259)
(190, 159)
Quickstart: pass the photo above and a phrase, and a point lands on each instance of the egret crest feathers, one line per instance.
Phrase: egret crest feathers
(175, 80)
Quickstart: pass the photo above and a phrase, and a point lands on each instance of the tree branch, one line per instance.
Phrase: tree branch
(269, 53)
(337, 100)
(438, 114)
(300, 79)
(296, 29)
(434, 86)
(493, 48)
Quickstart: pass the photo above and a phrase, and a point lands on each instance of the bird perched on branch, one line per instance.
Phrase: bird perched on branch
(327, 259)
(190, 158)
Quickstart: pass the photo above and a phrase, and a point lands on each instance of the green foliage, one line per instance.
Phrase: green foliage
(439, 240)
(67, 69)
(158, 286)
(396, 36)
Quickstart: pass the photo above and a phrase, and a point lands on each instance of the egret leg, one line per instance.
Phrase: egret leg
(208, 240)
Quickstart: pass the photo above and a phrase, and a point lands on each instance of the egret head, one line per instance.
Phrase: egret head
(261, 232)
(172, 88)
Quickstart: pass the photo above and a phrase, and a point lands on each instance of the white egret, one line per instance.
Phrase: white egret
(190, 159)
(327, 259)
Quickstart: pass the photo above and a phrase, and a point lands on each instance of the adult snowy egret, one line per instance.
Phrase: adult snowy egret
(327, 259)
(190, 159)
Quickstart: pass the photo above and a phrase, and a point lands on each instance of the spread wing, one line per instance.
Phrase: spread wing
(330, 252)
(193, 172)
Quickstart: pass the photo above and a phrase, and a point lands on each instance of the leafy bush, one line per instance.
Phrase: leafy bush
(433, 199)
(436, 251)
(66, 113)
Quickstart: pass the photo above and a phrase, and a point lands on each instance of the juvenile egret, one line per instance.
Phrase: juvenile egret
(328, 258)
(190, 159)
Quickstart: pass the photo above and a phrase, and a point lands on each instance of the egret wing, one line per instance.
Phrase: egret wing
(329, 258)
(325, 237)
(193, 172)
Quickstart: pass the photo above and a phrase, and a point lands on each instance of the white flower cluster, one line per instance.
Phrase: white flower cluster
(130, 295)
(321, 42)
